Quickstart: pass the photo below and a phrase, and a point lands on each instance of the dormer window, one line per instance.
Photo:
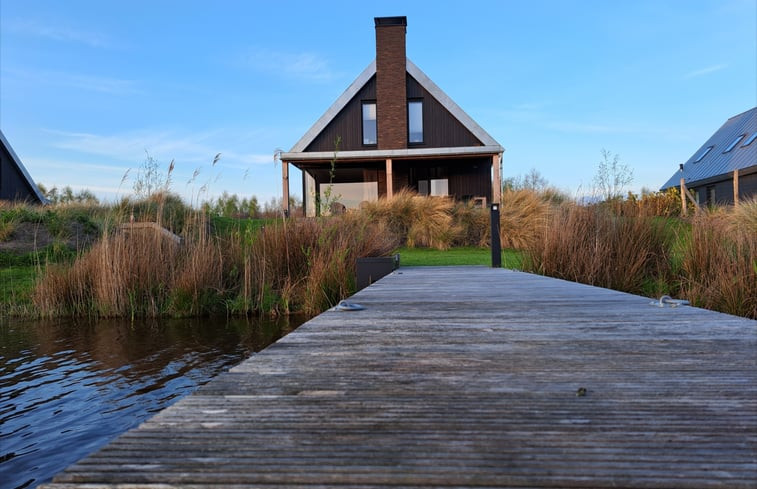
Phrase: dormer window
(704, 153)
(415, 121)
(369, 123)
(734, 143)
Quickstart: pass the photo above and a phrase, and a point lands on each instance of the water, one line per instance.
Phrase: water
(68, 388)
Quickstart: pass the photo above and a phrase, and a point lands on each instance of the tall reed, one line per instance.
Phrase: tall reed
(297, 265)
(719, 260)
(594, 246)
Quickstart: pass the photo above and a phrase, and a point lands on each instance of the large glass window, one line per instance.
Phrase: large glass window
(369, 123)
(348, 195)
(415, 121)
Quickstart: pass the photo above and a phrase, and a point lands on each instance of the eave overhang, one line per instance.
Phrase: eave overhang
(394, 154)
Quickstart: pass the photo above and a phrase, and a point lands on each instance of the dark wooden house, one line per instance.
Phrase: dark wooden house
(394, 128)
(15, 182)
(724, 169)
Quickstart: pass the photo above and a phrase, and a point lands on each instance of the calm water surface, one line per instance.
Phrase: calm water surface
(67, 388)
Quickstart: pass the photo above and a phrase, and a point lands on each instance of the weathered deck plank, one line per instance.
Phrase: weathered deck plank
(466, 377)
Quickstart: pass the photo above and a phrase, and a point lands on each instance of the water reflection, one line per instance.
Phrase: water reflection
(67, 388)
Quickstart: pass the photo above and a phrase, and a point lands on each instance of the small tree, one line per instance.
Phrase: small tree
(612, 176)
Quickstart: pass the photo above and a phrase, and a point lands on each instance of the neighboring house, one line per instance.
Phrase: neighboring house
(15, 182)
(726, 165)
(396, 129)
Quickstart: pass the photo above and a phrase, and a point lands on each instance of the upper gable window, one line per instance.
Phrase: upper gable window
(415, 121)
(704, 153)
(734, 143)
(369, 123)
(750, 140)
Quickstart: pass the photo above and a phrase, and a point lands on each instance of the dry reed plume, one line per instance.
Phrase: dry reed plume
(596, 247)
(719, 260)
(294, 266)
(418, 221)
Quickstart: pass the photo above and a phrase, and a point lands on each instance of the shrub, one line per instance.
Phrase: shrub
(417, 220)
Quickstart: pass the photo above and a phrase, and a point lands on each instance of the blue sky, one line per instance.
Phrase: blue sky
(87, 86)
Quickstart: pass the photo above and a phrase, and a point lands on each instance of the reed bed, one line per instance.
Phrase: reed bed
(719, 260)
(710, 259)
(298, 265)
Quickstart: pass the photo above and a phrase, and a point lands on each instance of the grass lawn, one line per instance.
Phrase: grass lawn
(229, 225)
(16, 283)
(412, 257)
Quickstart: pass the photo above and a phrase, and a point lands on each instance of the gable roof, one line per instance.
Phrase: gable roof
(490, 145)
(716, 161)
(14, 160)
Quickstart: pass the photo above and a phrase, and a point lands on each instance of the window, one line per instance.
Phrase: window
(710, 190)
(436, 187)
(750, 140)
(734, 143)
(415, 121)
(704, 153)
(369, 123)
(349, 195)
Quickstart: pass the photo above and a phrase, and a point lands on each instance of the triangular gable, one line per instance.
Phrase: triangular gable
(422, 79)
(20, 169)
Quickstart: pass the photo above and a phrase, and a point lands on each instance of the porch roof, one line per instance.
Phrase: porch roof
(382, 154)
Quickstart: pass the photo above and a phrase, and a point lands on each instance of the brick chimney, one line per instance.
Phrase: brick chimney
(391, 91)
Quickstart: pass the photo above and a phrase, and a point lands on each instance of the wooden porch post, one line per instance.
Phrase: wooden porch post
(285, 185)
(389, 182)
(683, 198)
(496, 179)
(736, 188)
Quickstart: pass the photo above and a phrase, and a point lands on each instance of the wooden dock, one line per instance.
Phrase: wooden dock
(466, 377)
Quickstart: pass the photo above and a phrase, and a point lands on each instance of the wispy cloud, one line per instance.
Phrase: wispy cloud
(61, 33)
(307, 65)
(704, 71)
(102, 84)
(584, 128)
(193, 148)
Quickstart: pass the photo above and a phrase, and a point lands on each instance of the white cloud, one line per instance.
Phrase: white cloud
(60, 33)
(310, 66)
(113, 86)
(704, 71)
(197, 148)
(583, 128)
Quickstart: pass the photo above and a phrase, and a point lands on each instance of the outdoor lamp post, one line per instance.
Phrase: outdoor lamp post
(496, 245)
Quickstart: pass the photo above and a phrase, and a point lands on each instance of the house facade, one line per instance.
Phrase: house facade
(15, 182)
(393, 128)
(724, 170)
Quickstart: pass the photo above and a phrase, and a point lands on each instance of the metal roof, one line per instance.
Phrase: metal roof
(716, 161)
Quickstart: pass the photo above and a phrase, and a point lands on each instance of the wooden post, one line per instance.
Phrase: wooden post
(736, 188)
(285, 185)
(683, 198)
(389, 181)
(496, 179)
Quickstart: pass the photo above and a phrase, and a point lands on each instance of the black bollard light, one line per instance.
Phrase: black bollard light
(496, 245)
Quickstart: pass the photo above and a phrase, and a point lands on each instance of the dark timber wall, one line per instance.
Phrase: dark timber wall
(348, 124)
(13, 185)
(440, 128)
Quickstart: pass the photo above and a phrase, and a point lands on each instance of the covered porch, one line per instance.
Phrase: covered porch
(333, 183)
